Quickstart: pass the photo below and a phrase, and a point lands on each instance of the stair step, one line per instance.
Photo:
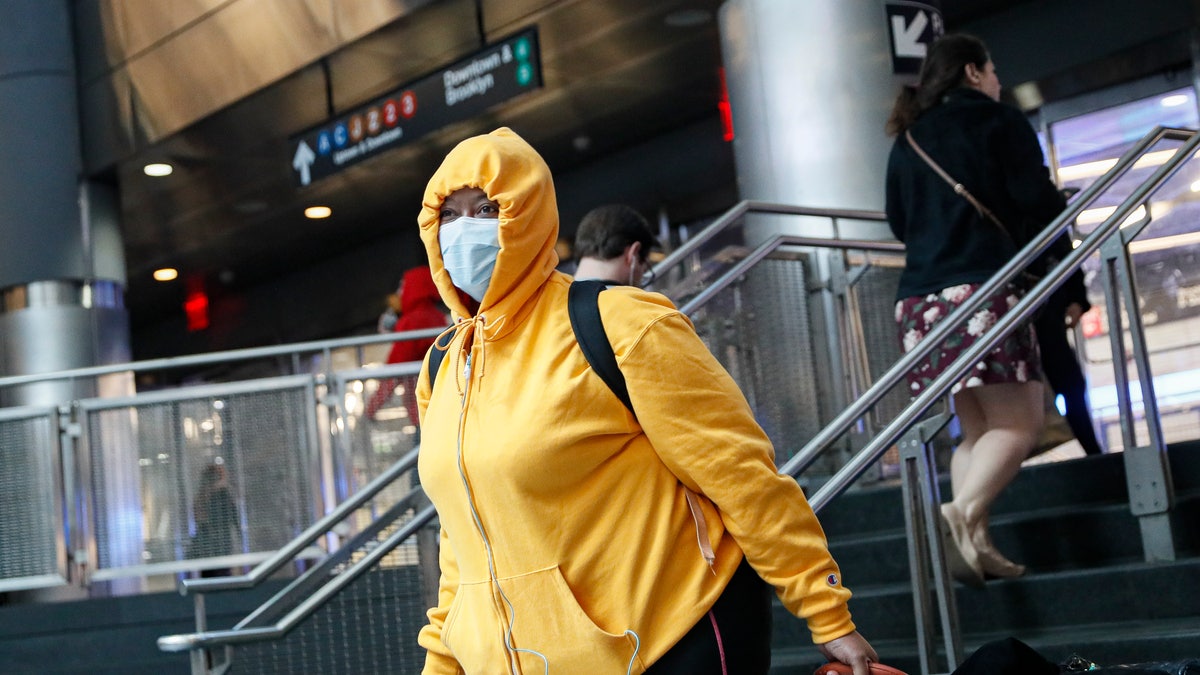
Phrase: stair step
(1062, 538)
(1075, 484)
(1106, 645)
(1050, 601)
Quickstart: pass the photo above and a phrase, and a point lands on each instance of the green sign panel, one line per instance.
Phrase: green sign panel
(461, 91)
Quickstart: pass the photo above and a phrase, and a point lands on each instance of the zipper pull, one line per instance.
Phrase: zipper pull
(467, 369)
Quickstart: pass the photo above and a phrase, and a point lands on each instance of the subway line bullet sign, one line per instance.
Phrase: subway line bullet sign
(458, 92)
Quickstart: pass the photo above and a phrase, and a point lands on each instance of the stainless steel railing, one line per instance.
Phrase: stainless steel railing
(202, 643)
(324, 347)
(844, 421)
(1023, 311)
(908, 418)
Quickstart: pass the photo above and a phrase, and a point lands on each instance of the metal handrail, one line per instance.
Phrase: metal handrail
(335, 562)
(754, 206)
(858, 464)
(192, 641)
(243, 633)
(314, 532)
(167, 363)
(886, 382)
(773, 243)
(220, 357)
(1020, 312)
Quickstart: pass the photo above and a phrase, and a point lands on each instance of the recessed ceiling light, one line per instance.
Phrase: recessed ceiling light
(1174, 100)
(166, 274)
(158, 169)
(316, 212)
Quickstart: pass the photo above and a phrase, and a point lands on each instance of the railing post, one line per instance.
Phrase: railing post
(199, 657)
(1147, 469)
(832, 278)
(926, 556)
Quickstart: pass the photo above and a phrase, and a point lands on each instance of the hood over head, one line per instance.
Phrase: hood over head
(511, 173)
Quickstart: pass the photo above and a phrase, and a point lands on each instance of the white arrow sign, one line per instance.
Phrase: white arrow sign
(302, 160)
(906, 39)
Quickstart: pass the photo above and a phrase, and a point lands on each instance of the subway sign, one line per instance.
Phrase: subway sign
(458, 92)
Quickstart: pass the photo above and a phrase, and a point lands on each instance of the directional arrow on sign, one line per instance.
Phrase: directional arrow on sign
(907, 38)
(302, 160)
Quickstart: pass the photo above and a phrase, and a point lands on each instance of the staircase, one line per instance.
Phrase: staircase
(1088, 590)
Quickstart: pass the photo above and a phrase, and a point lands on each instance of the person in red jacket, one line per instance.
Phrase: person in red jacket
(420, 307)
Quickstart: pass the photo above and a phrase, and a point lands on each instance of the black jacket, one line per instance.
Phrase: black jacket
(990, 148)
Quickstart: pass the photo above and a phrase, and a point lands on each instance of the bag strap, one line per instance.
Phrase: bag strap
(437, 352)
(583, 306)
(959, 188)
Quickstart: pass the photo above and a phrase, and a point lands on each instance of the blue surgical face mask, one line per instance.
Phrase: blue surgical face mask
(469, 248)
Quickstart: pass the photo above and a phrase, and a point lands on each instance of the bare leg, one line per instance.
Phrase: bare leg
(1000, 425)
(972, 423)
(1012, 417)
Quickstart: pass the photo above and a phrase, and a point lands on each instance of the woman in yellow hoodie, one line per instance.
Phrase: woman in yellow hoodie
(568, 543)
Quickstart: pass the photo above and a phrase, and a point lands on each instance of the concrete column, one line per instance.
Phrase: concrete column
(62, 271)
(61, 265)
(811, 85)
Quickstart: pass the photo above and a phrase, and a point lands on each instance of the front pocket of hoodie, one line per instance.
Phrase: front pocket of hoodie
(547, 620)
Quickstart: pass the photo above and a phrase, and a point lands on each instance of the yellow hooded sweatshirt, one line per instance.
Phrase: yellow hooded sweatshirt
(567, 545)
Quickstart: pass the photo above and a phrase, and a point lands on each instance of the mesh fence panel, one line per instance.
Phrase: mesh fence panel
(220, 474)
(369, 628)
(381, 427)
(759, 329)
(30, 523)
(876, 294)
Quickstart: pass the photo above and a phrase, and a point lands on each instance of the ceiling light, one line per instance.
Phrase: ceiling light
(166, 274)
(1174, 100)
(317, 212)
(158, 169)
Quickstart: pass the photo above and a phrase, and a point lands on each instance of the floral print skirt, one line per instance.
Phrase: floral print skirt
(1016, 359)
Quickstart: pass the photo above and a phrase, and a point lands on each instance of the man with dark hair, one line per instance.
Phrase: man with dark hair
(613, 245)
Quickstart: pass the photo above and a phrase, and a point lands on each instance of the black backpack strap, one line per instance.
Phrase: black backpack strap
(583, 306)
(436, 355)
